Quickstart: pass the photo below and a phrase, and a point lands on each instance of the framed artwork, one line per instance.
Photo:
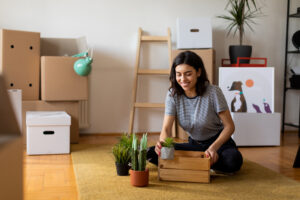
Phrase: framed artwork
(248, 89)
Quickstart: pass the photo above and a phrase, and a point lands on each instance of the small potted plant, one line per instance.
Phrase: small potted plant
(121, 152)
(167, 150)
(139, 174)
(122, 158)
(240, 14)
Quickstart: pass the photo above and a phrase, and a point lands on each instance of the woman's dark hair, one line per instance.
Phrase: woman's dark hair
(192, 59)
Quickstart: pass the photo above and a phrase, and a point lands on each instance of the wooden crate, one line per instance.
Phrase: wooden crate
(187, 166)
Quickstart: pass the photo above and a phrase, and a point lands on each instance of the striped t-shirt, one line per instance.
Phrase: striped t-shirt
(198, 116)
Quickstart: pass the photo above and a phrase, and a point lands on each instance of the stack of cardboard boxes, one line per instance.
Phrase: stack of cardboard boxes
(52, 85)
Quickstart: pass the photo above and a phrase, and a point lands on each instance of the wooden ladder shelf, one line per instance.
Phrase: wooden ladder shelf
(138, 71)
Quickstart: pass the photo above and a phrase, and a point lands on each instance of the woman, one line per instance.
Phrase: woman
(202, 111)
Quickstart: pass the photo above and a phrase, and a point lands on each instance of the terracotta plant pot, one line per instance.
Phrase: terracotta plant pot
(139, 178)
(122, 169)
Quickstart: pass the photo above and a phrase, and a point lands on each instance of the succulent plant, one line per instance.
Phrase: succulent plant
(169, 142)
(139, 153)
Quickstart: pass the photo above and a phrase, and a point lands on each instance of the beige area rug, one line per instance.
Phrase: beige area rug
(96, 179)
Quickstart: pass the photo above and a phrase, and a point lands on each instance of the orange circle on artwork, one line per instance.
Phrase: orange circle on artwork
(249, 82)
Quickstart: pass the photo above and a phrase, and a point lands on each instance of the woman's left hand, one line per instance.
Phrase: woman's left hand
(213, 155)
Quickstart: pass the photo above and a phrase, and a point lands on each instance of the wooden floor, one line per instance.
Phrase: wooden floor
(52, 176)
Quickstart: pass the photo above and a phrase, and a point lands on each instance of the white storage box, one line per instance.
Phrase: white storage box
(16, 101)
(48, 132)
(256, 129)
(194, 33)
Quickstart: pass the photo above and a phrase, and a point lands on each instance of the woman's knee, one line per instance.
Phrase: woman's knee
(231, 160)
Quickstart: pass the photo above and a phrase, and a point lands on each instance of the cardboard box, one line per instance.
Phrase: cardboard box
(20, 61)
(71, 107)
(194, 33)
(48, 132)
(59, 82)
(11, 150)
(187, 166)
(208, 58)
(257, 129)
(16, 101)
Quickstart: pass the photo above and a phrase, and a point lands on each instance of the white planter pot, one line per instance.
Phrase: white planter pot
(167, 153)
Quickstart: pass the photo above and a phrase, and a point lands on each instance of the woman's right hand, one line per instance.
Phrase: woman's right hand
(158, 148)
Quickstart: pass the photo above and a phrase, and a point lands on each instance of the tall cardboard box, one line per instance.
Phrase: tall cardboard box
(208, 58)
(11, 151)
(71, 107)
(59, 82)
(20, 61)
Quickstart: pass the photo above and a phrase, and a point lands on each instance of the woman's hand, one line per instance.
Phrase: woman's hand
(158, 148)
(212, 154)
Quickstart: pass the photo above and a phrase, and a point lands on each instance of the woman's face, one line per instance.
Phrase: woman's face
(186, 77)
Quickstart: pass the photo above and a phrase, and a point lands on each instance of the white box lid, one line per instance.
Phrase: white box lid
(54, 118)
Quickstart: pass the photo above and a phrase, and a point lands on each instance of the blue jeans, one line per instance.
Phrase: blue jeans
(230, 159)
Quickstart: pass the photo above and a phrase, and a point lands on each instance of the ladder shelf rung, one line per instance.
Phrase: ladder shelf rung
(153, 71)
(154, 38)
(149, 105)
(147, 38)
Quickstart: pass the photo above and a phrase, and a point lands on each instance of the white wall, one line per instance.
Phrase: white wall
(111, 29)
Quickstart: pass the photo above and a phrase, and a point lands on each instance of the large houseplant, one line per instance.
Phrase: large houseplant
(241, 13)
(139, 174)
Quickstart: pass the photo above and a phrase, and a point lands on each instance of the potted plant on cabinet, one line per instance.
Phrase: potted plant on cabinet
(139, 174)
(241, 14)
(167, 150)
(121, 152)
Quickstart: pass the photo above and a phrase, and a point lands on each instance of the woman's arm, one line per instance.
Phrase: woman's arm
(166, 131)
(223, 137)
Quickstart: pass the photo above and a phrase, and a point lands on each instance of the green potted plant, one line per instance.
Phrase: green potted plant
(139, 174)
(241, 13)
(122, 154)
(167, 150)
